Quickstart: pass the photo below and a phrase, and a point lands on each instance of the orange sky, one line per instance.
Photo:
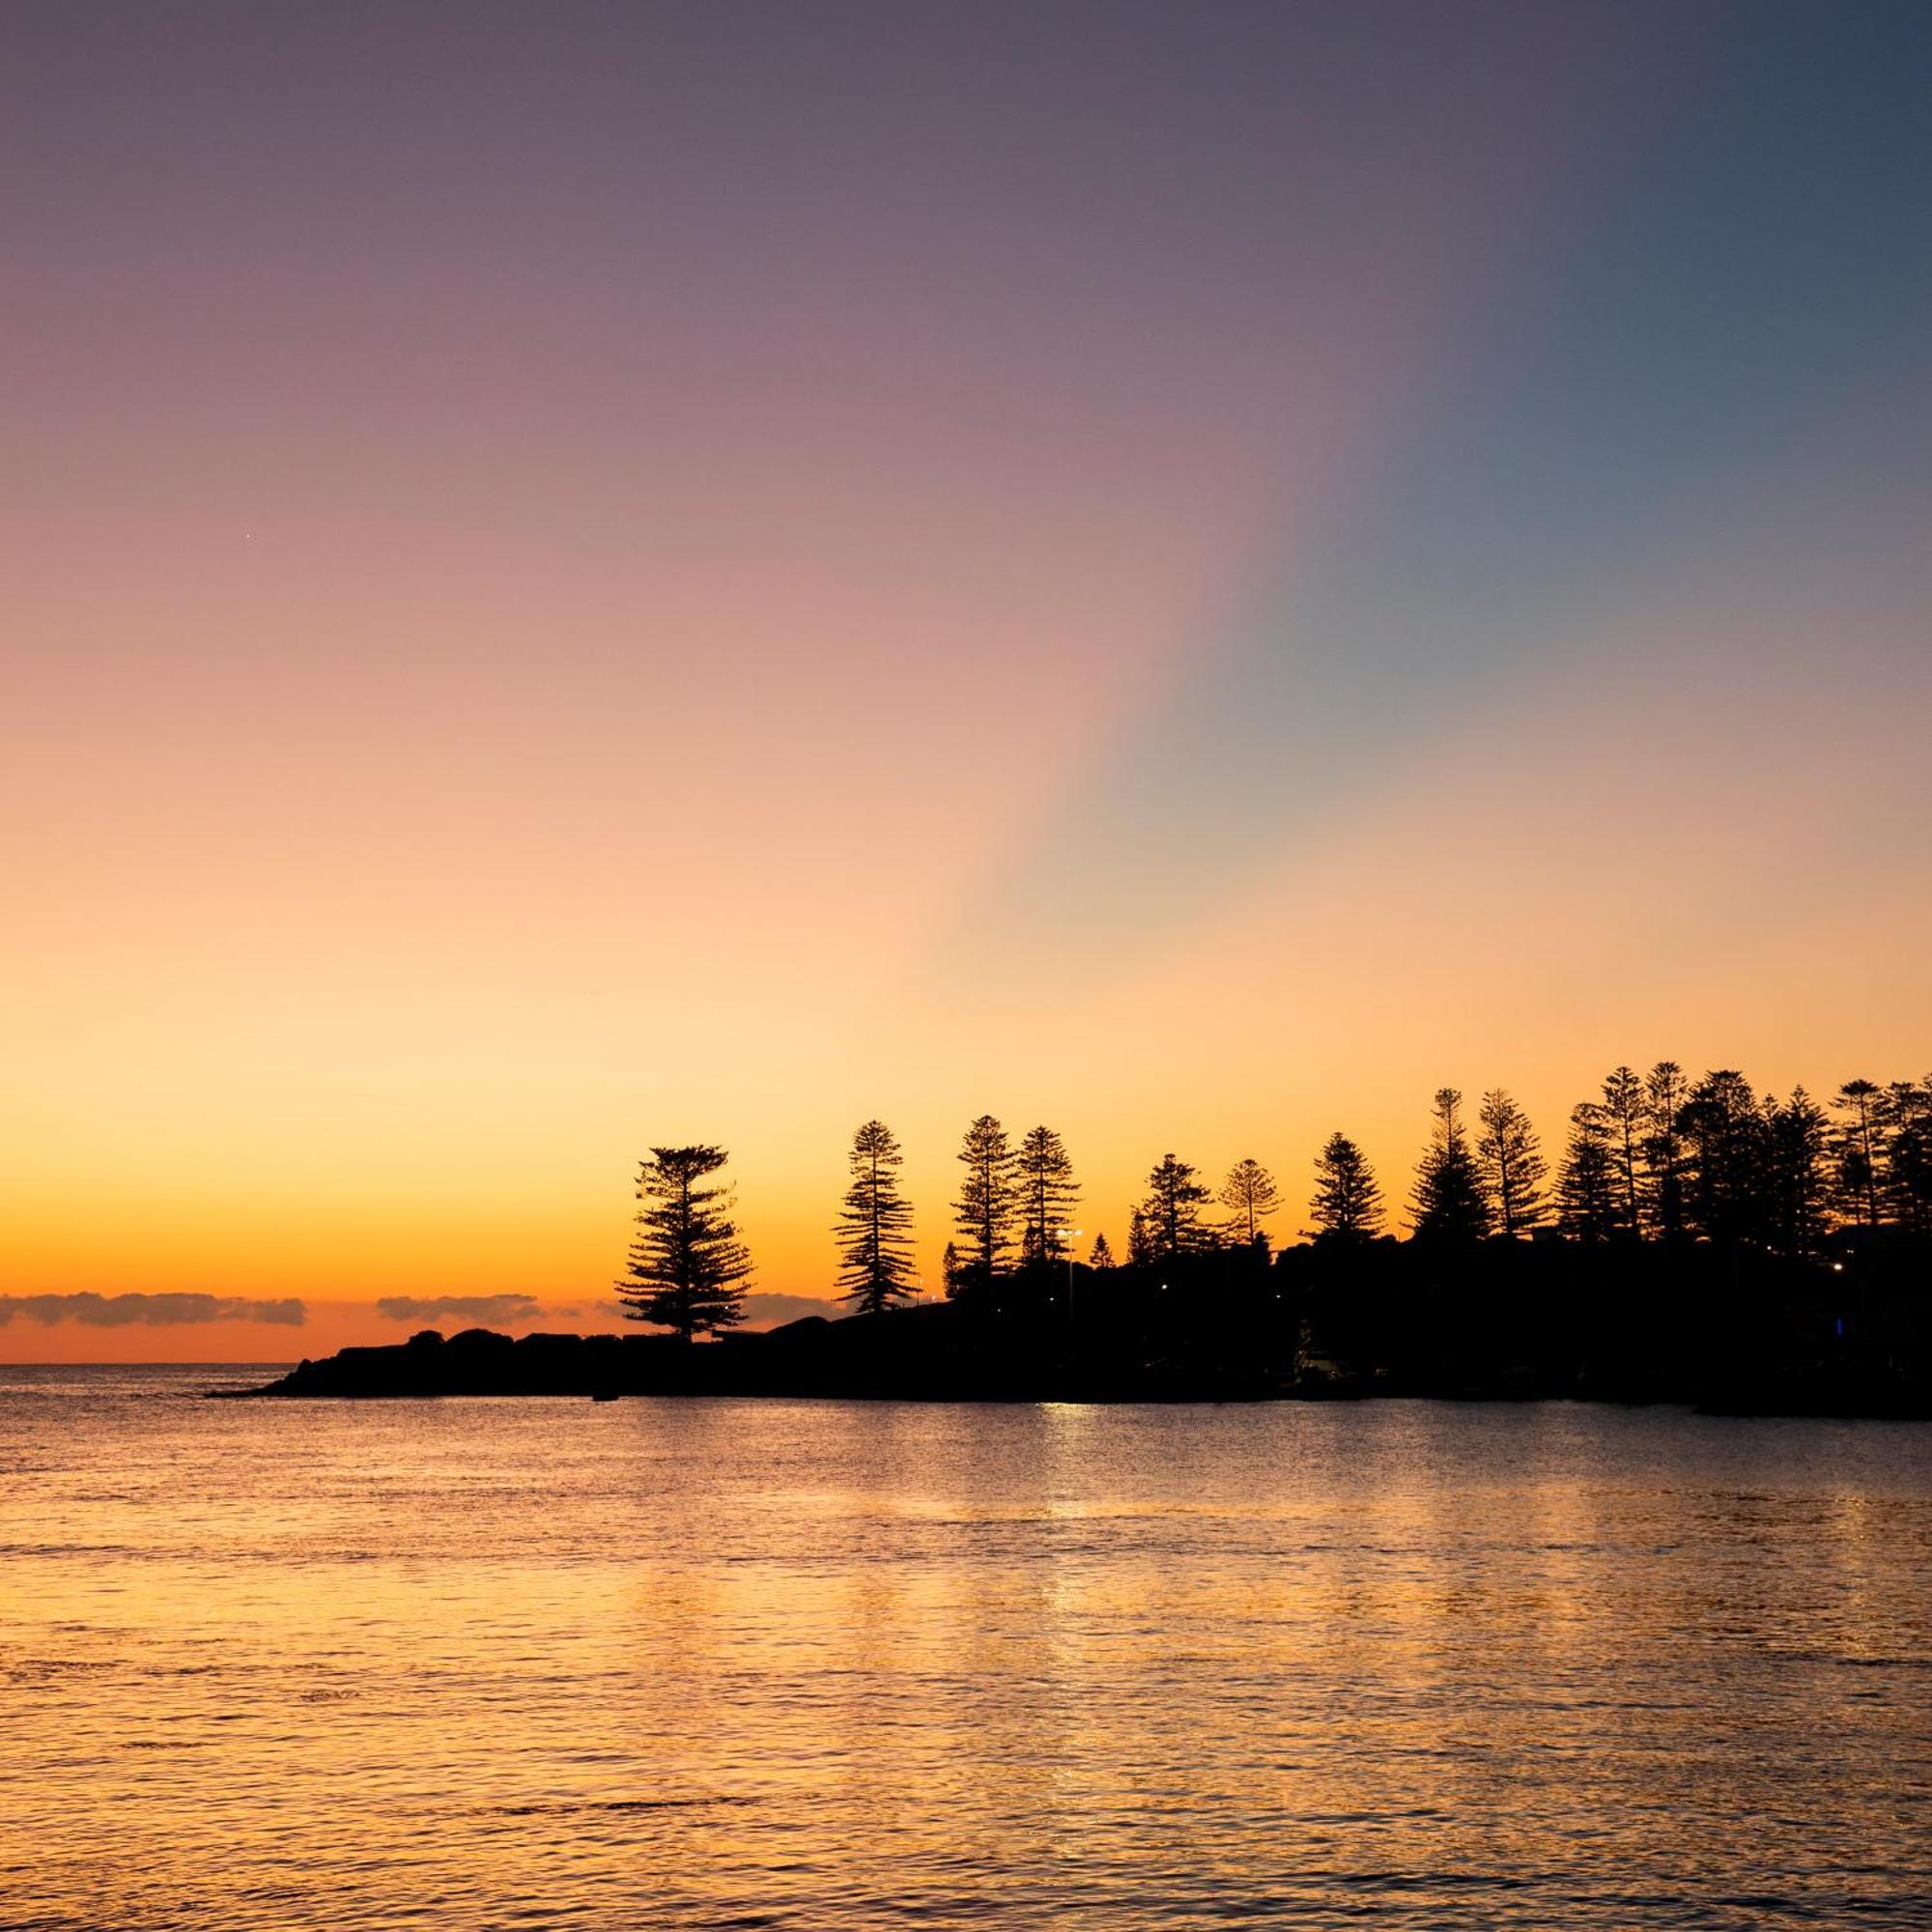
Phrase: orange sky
(303, 1107)
(1195, 625)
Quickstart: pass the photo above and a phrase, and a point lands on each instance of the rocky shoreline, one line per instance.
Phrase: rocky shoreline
(937, 1353)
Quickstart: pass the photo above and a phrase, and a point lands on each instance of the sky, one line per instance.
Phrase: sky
(584, 576)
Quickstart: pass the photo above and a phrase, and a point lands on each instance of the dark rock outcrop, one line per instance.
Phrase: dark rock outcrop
(936, 1353)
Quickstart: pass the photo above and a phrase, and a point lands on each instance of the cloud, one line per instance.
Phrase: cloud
(500, 1310)
(150, 1311)
(460, 1307)
(776, 1309)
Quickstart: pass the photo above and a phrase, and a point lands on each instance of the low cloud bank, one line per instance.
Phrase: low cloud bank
(460, 1307)
(782, 1308)
(507, 1310)
(150, 1311)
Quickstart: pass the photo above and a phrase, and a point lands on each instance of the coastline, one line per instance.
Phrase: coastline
(941, 1353)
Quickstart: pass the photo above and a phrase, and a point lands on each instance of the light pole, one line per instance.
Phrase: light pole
(1072, 1234)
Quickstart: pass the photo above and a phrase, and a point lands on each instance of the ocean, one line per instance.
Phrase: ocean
(836, 1665)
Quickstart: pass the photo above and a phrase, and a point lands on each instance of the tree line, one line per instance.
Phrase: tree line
(1655, 1161)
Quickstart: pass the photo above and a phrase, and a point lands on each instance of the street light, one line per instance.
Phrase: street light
(1072, 1235)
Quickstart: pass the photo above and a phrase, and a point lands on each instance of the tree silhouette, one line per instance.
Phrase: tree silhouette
(1250, 1196)
(1347, 1196)
(1447, 1202)
(1623, 1113)
(874, 1228)
(1725, 1153)
(1510, 1163)
(1665, 1092)
(984, 1213)
(1043, 1180)
(1797, 1138)
(687, 1263)
(1857, 1142)
(1172, 1209)
(1591, 1183)
(1907, 1190)
(1779, 1264)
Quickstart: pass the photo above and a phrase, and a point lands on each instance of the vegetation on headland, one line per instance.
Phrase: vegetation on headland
(1696, 1241)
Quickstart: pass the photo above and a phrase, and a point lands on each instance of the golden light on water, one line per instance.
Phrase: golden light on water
(841, 1661)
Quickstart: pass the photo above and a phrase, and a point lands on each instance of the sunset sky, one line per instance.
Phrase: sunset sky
(581, 575)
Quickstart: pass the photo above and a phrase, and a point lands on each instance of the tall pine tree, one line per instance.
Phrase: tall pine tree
(1347, 1196)
(1623, 1113)
(1858, 1142)
(1044, 1181)
(984, 1213)
(1798, 1139)
(1448, 1204)
(1250, 1196)
(874, 1228)
(1665, 1092)
(1905, 1187)
(1725, 1159)
(1172, 1209)
(1512, 1165)
(1590, 1183)
(687, 1263)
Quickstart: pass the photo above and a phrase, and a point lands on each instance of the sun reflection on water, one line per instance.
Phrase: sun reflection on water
(832, 1666)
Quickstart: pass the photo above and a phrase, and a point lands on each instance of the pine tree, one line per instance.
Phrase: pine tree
(1797, 1137)
(1141, 1252)
(952, 1271)
(1447, 1203)
(1250, 1196)
(1043, 1180)
(1858, 1147)
(1665, 1092)
(1101, 1261)
(984, 1213)
(1906, 1180)
(1347, 1196)
(1510, 1163)
(687, 1264)
(874, 1228)
(1624, 1123)
(1727, 1197)
(1590, 1185)
(1173, 1209)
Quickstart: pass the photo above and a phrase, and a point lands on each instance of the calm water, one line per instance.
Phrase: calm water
(827, 1666)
